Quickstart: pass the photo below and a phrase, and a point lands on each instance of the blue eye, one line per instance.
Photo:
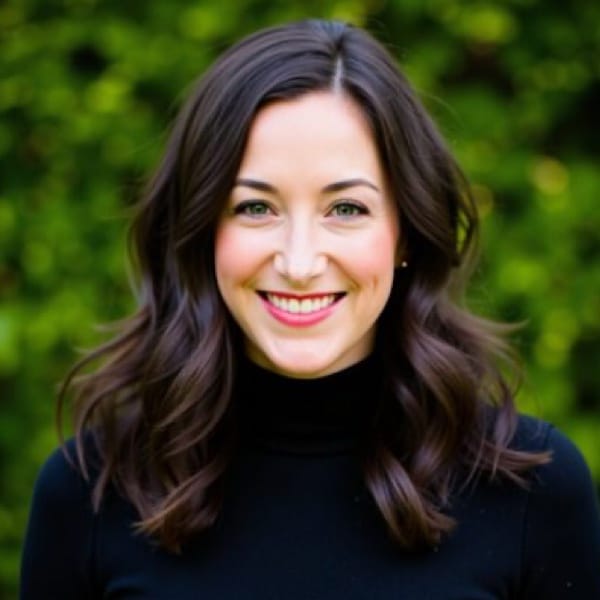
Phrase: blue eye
(348, 209)
(252, 208)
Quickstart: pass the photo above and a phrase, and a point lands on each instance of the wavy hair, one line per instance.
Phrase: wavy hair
(158, 404)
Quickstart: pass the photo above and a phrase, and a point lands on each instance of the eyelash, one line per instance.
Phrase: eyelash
(358, 208)
(244, 208)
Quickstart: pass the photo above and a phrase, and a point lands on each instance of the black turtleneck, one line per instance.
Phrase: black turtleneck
(326, 415)
(297, 522)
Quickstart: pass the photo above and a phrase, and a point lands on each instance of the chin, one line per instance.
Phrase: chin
(303, 371)
(301, 365)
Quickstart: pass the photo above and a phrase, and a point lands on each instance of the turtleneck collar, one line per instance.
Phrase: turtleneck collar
(325, 415)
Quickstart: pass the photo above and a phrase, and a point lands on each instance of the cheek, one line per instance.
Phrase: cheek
(237, 255)
(373, 261)
(226, 250)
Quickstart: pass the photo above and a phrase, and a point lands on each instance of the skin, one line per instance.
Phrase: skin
(291, 227)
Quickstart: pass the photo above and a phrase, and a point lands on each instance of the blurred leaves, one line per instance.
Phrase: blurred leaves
(88, 90)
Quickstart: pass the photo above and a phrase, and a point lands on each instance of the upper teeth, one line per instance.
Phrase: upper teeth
(295, 306)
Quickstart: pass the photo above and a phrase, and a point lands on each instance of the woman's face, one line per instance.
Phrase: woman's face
(306, 248)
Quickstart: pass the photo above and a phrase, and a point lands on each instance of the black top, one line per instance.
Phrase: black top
(297, 522)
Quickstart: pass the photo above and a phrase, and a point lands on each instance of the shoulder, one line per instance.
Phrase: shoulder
(61, 481)
(61, 506)
(531, 434)
(535, 435)
(560, 541)
(565, 480)
(59, 542)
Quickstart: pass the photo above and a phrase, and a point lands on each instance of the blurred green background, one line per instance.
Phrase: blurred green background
(87, 92)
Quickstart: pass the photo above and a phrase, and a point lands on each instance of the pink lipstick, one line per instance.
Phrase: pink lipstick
(300, 311)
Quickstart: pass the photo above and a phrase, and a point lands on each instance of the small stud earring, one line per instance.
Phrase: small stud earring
(403, 264)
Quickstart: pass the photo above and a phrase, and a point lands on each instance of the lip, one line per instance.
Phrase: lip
(299, 319)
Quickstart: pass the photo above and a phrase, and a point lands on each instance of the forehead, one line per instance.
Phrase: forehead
(317, 133)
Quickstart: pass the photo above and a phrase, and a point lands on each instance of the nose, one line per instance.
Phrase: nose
(300, 258)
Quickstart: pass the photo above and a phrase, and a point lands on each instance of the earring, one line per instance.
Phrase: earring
(403, 264)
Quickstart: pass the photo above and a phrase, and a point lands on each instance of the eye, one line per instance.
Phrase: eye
(348, 209)
(252, 208)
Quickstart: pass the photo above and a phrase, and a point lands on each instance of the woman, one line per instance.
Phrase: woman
(299, 408)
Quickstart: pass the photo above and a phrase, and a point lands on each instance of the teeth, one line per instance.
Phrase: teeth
(305, 306)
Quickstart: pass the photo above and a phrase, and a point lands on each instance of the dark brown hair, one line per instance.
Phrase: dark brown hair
(158, 407)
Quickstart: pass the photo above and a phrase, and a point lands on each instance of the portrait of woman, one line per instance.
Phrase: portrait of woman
(301, 406)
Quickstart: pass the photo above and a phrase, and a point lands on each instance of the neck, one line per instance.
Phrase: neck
(323, 415)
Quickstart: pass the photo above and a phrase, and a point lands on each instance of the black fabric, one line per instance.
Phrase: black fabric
(297, 522)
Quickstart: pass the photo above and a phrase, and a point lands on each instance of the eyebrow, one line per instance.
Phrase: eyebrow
(336, 186)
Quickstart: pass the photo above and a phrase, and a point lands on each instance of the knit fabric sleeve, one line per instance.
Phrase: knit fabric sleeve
(58, 551)
(561, 536)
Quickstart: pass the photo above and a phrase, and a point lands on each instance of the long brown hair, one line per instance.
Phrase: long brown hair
(158, 406)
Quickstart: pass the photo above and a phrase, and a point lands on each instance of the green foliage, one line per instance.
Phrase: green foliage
(87, 92)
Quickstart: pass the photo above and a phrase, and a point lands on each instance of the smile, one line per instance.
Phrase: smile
(300, 305)
(300, 310)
